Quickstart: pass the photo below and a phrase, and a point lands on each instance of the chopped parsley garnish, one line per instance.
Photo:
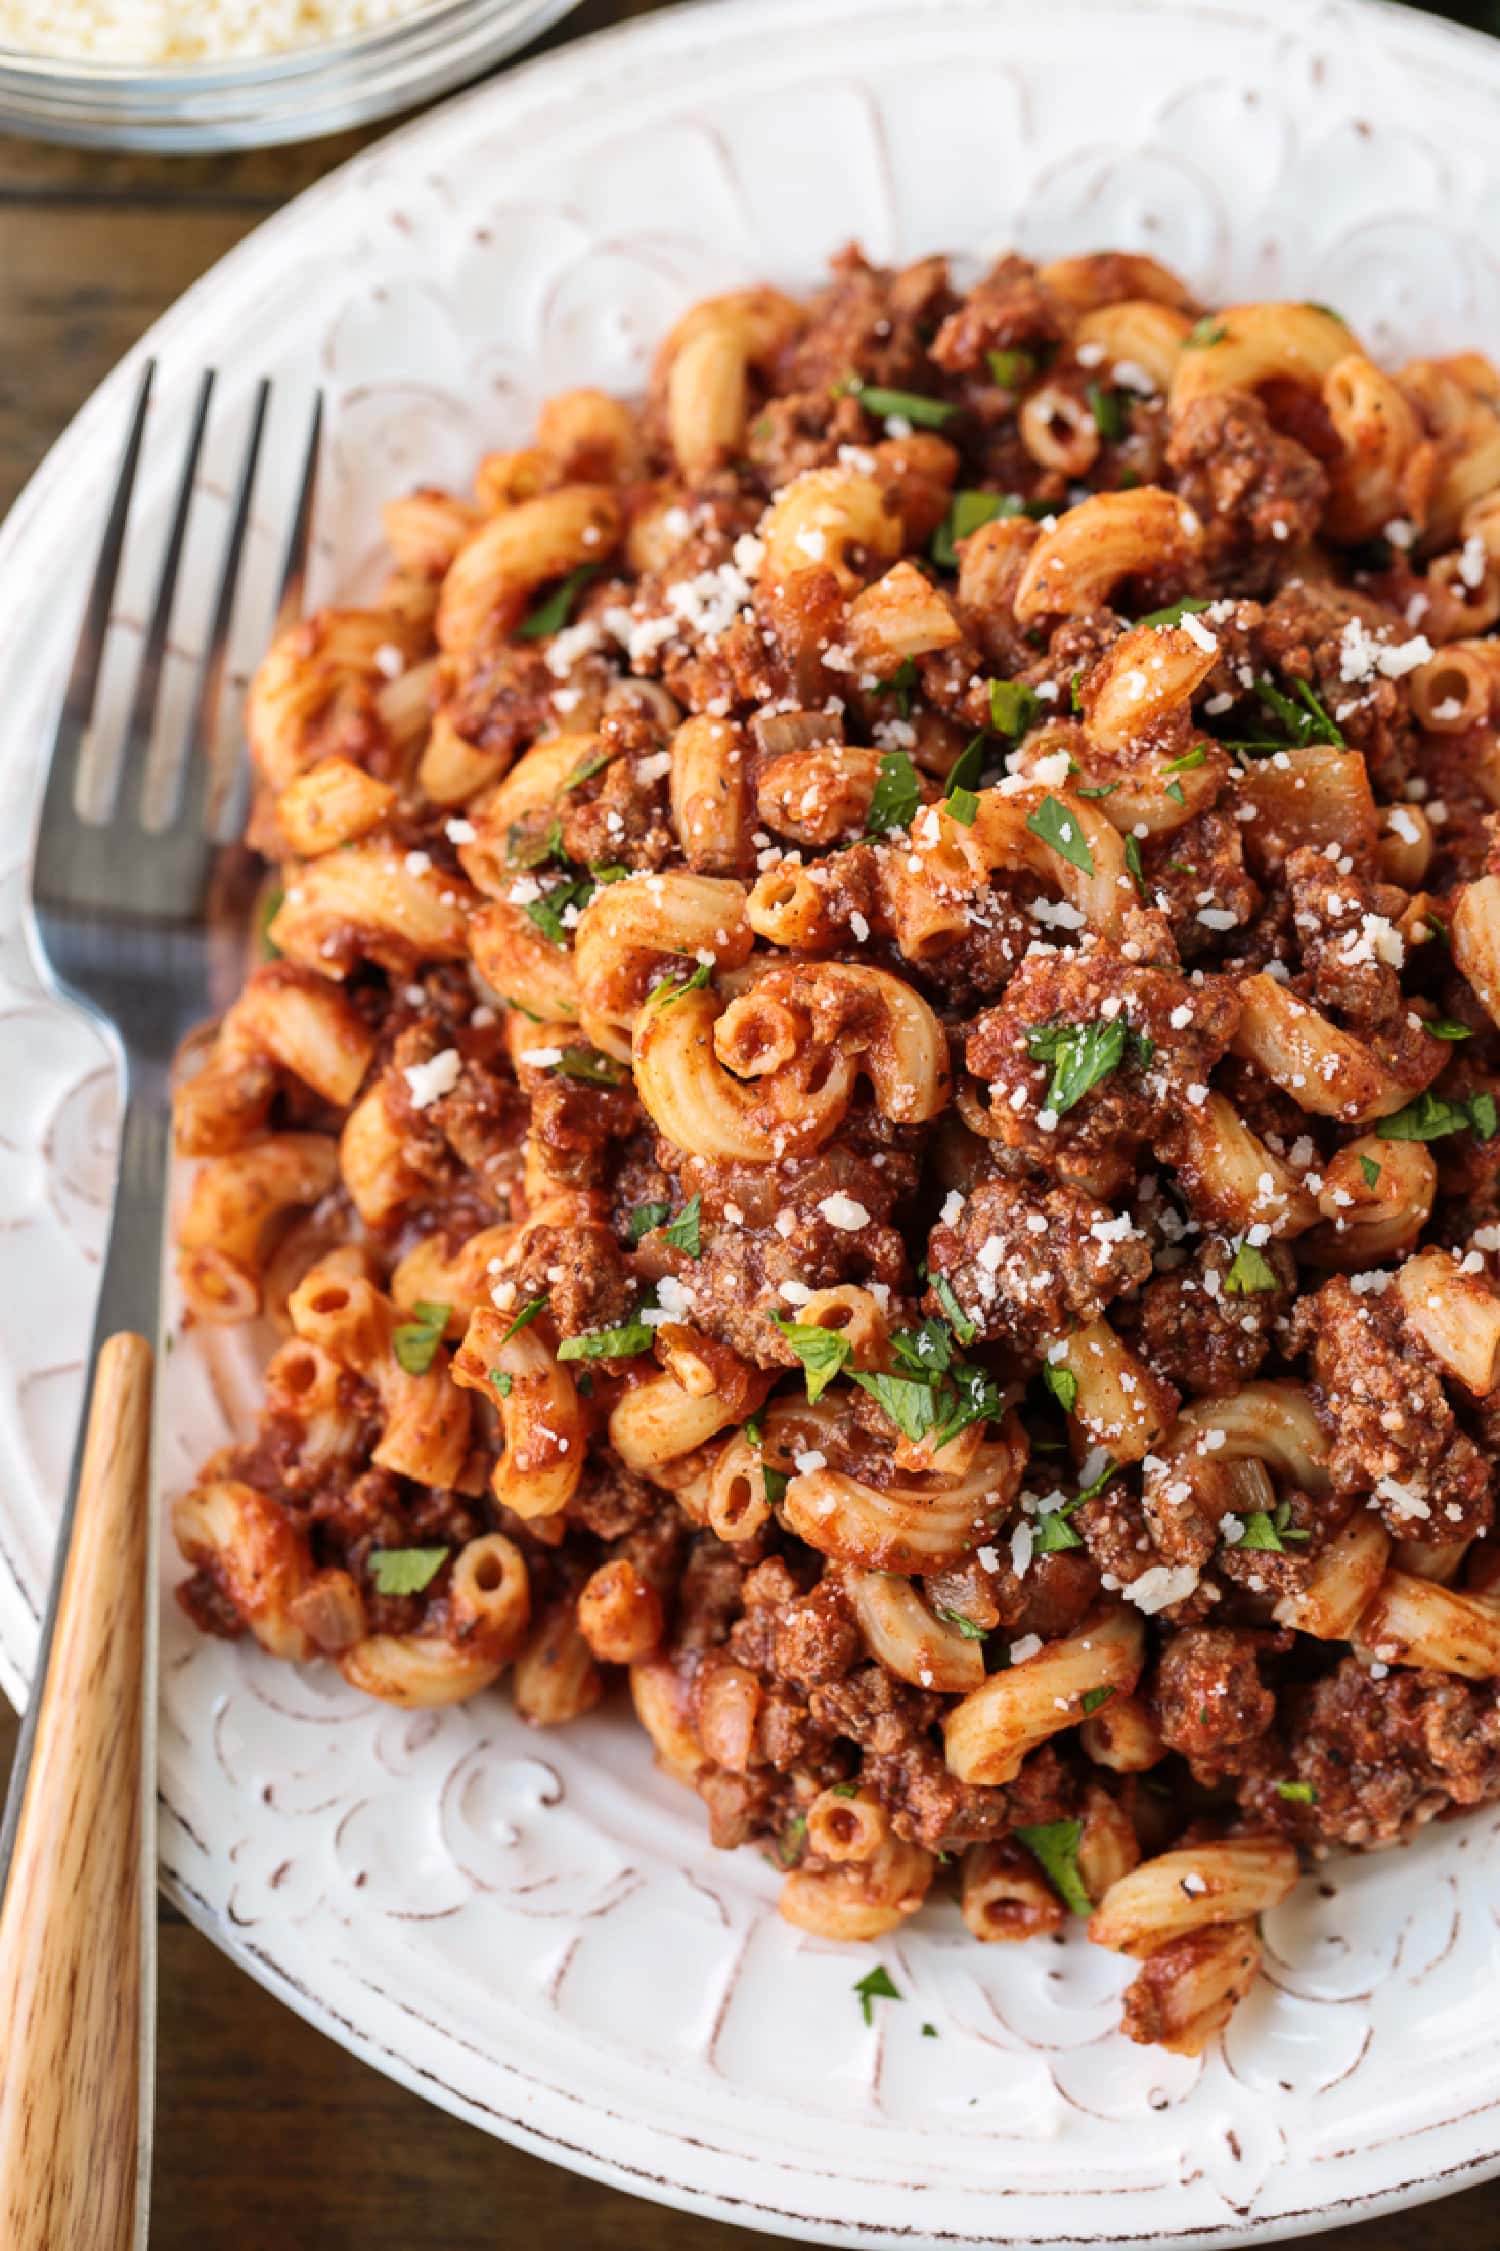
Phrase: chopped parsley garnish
(902, 684)
(792, 1842)
(1437, 929)
(822, 1352)
(965, 1329)
(928, 1350)
(1430, 1116)
(527, 849)
(502, 1380)
(1486, 1119)
(897, 796)
(588, 1064)
(624, 1343)
(643, 1219)
(1095, 1487)
(939, 1402)
(1109, 409)
(1250, 1271)
(1083, 1054)
(1309, 725)
(685, 1232)
(911, 406)
(1105, 789)
(271, 907)
(844, 1790)
(968, 512)
(972, 509)
(586, 769)
(551, 615)
(875, 1985)
(961, 1624)
(1300, 1793)
(910, 1401)
(1013, 707)
(775, 1482)
(1093, 1698)
(1012, 370)
(1053, 1529)
(1370, 1169)
(607, 871)
(521, 1009)
(1053, 1532)
(974, 1398)
(416, 1341)
(968, 766)
(1300, 726)
(673, 988)
(1209, 330)
(1193, 757)
(1313, 306)
(1055, 1844)
(1446, 1028)
(549, 912)
(1075, 691)
(963, 804)
(405, 1570)
(525, 1317)
(1174, 791)
(1063, 1385)
(1175, 612)
(1133, 863)
(939, 1393)
(929, 2032)
(1056, 826)
(1303, 721)
(1267, 1533)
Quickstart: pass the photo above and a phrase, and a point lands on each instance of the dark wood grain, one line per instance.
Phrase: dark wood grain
(268, 2134)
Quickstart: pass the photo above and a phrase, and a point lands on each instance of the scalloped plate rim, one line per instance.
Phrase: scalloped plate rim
(684, 36)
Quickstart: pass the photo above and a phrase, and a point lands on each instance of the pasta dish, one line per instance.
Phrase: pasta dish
(872, 1097)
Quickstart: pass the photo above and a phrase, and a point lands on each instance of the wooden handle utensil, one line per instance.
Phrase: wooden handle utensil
(71, 1922)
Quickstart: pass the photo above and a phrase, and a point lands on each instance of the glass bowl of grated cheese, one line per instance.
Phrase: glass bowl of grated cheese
(215, 74)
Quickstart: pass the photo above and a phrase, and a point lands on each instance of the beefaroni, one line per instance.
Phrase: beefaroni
(880, 1104)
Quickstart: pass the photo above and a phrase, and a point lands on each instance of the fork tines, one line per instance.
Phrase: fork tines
(186, 806)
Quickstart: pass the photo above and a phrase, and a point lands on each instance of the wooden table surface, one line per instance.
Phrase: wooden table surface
(269, 2136)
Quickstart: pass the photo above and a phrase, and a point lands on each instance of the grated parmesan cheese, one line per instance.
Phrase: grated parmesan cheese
(844, 1212)
(430, 1081)
(1155, 1589)
(187, 31)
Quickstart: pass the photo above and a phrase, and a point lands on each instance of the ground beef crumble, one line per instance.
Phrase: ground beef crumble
(1382, 1755)
(1393, 1435)
(1028, 1263)
(1254, 491)
(1097, 1140)
(1210, 1697)
(1209, 1338)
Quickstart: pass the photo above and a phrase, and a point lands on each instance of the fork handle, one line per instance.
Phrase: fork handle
(71, 1920)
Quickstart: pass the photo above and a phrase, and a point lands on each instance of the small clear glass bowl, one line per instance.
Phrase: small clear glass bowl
(253, 101)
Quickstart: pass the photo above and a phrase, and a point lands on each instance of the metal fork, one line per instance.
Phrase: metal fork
(145, 928)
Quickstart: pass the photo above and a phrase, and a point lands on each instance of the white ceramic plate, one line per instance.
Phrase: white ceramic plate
(532, 1930)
